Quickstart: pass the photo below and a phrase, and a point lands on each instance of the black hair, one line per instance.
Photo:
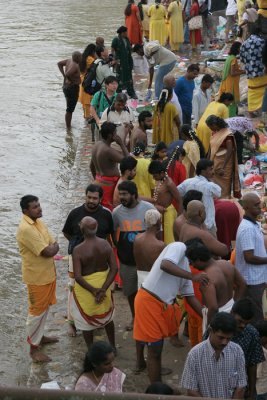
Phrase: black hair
(127, 163)
(140, 8)
(193, 67)
(177, 152)
(214, 120)
(261, 327)
(159, 146)
(139, 148)
(226, 96)
(224, 322)
(110, 79)
(128, 9)
(207, 78)
(187, 131)
(130, 187)
(156, 167)
(157, 3)
(88, 51)
(143, 115)
(26, 200)
(94, 188)
(159, 388)
(121, 97)
(244, 308)
(107, 128)
(137, 46)
(196, 250)
(202, 165)
(235, 49)
(163, 99)
(99, 50)
(191, 195)
(96, 355)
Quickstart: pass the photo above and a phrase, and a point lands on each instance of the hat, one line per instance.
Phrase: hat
(122, 29)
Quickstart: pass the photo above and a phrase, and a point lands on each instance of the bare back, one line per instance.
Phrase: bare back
(177, 226)
(167, 192)
(146, 250)
(106, 159)
(72, 73)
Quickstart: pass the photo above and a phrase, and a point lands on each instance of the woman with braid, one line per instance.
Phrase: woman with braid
(194, 150)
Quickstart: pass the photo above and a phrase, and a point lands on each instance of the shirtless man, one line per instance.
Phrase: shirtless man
(179, 222)
(223, 278)
(139, 133)
(165, 193)
(193, 227)
(95, 267)
(104, 162)
(70, 69)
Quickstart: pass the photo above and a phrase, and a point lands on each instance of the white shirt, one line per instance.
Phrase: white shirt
(231, 8)
(176, 102)
(162, 57)
(102, 72)
(140, 64)
(210, 192)
(166, 286)
(250, 237)
(199, 103)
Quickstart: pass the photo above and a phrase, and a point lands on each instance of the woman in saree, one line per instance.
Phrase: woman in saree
(194, 150)
(224, 155)
(176, 26)
(88, 57)
(99, 374)
(133, 23)
(231, 78)
(195, 35)
(218, 108)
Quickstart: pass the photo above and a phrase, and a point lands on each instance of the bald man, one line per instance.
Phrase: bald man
(169, 82)
(94, 268)
(193, 227)
(251, 257)
(70, 70)
(217, 296)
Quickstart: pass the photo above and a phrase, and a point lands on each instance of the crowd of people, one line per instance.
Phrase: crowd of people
(163, 222)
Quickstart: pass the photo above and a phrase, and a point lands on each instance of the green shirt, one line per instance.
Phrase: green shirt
(100, 101)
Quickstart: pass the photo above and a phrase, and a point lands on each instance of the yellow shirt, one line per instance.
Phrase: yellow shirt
(33, 237)
(143, 179)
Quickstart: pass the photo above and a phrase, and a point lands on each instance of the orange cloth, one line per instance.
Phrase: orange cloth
(40, 297)
(197, 292)
(194, 329)
(232, 258)
(154, 320)
(108, 184)
(133, 25)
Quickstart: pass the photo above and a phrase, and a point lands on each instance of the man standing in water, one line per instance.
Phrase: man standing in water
(70, 69)
(37, 248)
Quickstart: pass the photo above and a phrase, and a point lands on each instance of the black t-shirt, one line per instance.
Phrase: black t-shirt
(103, 217)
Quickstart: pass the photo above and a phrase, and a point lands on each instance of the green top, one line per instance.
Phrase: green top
(100, 101)
(227, 67)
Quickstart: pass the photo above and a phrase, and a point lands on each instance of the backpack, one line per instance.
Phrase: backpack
(90, 84)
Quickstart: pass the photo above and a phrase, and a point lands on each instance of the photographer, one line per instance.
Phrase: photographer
(104, 65)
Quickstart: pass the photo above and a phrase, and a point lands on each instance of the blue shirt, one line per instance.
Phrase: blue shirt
(184, 90)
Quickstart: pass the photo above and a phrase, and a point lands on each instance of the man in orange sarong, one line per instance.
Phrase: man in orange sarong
(37, 248)
(157, 315)
(104, 162)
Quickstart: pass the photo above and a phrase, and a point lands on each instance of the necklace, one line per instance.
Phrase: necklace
(97, 379)
(157, 188)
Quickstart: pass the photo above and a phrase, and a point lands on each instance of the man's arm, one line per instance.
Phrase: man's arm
(61, 65)
(175, 194)
(93, 168)
(193, 393)
(250, 258)
(240, 285)
(77, 269)
(195, 304)
(252, 377)
(110, 278)
(215, 247)
(50, 251)
(210, 300)
(195, 108)
(215, 189)
(94, 114)
(173, 269)
(151, 74)
(116, 156)
(239, 393)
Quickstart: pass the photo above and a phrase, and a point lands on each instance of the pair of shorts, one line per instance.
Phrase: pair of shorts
(128, 274)
(71, 94)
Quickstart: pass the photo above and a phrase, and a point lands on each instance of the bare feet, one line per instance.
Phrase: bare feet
(130, 326)
(139, 368)
(176, 342)
(38, 356)
(72, 331)
(49, 339)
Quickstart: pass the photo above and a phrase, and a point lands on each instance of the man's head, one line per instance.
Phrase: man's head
(251, 204)
(157, 169)
(169, 81)
(30, 206)
(111, 83)
(196, 212)
(153, 219)
(160, 152)
(192, 72)
(138, 49)
(108, 131)
(197, 253)
(248, 4)
(122, 31)
(100, 41)
(206, 82)
(88, 226)
(102, 52)
(222, 329)
(77, 57)
(205, 168)
(191, 195)
(128, 193)
(243, 312)
(145, 120)
(93, 196)
(226, 98)
(128, 167)
(261, 327)
(120, 102)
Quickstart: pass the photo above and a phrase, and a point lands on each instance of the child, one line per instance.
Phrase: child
(261, 384)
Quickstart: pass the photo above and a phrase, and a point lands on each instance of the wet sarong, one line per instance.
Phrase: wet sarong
(226, 308)
(108, 184)
(87, 314)
(167, 221)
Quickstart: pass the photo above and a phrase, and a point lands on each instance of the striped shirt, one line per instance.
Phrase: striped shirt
(211, 377)
(250, 237)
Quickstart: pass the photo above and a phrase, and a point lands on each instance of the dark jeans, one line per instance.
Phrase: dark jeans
(255, 292)
(187, 118)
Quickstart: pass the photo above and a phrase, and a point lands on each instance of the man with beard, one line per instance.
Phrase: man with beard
(72, 232)
(129, 218)
(128, 172)
(139, 134)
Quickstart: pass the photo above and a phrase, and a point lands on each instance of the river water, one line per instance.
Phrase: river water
(36, 152)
